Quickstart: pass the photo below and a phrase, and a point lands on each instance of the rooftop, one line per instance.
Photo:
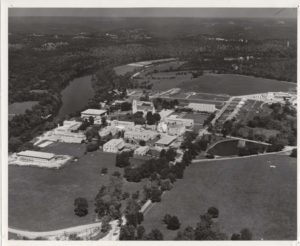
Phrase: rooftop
(115, 141)
(166, 140)
(36, 154)
(94, 111)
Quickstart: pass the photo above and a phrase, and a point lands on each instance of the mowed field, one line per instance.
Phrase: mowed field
(42, 199)
(234, 85)
(247, 192)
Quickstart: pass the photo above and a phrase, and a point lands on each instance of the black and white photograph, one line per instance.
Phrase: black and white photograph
(170, 124)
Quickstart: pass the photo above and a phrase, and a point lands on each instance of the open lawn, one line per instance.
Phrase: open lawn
(42, 199)
(247, 192)
(231, 148)
(234, 84)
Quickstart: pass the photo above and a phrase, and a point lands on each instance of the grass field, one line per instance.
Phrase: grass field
(234, 85)
(20, 107)
(42, 199)
(247, 192)
(231, 148)
(122, 70)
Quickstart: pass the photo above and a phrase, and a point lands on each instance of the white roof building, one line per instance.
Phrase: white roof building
(165, 113)
(114, 145)
(202, 107)
(96, 113)
(36, 155)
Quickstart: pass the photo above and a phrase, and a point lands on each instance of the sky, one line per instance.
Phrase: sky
(159, 12)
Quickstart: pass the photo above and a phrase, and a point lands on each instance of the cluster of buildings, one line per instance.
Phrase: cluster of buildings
(123, 135)
(274, 97)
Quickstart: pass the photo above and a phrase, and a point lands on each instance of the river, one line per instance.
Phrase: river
(76, 95)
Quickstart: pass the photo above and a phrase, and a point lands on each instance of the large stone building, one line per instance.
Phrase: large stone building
(114, 145)
(142, 106)
(97, 114)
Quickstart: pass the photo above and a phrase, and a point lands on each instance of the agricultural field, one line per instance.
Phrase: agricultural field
(42, 199)
(247, 192)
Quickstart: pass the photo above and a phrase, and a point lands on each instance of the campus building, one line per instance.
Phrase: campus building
(165, 141)
(176, 130)
(123, 125)
(35, 156)
(140, 134)
(202, 107)
(66, 133)
(142, 106)
(97, 114)
(114, 145)
(38, 158)
(174, 120)
(108, 130)
(143, 150)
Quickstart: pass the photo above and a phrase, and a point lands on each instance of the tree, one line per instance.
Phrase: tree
(127, 232)
(246, 234)
(149, 118)
(122, 159)
(167, 218)
(140, 232)
(105, 226)
(81, 206)
(155, 234)
(214, 212)
(103, 121)
(142, 143)
(166, 185)
(173, 223)
(156, 117)
(236, 236)
(171, 154)
(294, 153)
(74, 237)
(104, 170)
(187, 234)
(132, 213)
(91, 120)
(155, 194)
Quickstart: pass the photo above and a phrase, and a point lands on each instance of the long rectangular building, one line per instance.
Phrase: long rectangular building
(202, 107)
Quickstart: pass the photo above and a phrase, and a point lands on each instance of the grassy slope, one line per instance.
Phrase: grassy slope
(42, 199)
(247, 192)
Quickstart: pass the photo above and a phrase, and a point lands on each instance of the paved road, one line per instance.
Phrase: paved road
(285, 151)
(55, 233)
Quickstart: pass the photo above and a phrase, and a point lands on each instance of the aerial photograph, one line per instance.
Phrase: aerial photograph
(152, 124)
